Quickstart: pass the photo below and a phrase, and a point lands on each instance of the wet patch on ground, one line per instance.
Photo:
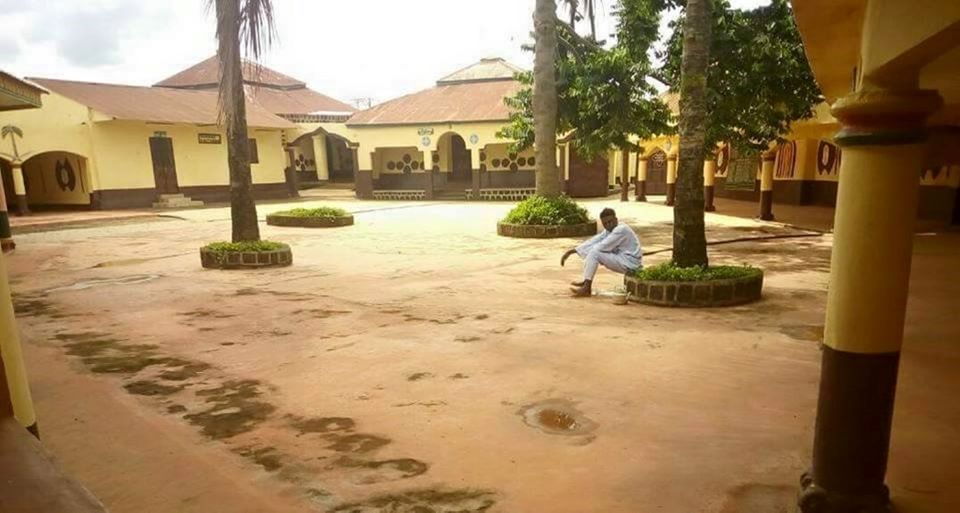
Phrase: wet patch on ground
(37, 305)
(320, 313)
(235, 407)
(556, 417)
(356, 443)
(424, 501)
(151, 388)
(417, 376)
(368, 472)
(321, 424)
(101, 282)
(203, 313)
(266, 457)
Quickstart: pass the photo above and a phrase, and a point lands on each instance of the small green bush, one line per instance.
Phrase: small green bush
(313, 212)
(236, 247)
(669, 272)
(539, 210)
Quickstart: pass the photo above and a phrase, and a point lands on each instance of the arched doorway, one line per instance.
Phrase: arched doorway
(52, 179)
(657, 173)
(339, 159)
(461, 167)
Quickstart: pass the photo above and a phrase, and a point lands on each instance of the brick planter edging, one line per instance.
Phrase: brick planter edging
(309, 222)
(537, 231)
(695, 293)
(246, 259)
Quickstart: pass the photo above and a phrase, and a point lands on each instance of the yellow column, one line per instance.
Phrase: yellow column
(475, 166)
(709, 178)
(671, 179)
(13, 356)
(766, 186)
(20, 188)
(320, 157)
(6, 237)
(882, 139)
(641, 178)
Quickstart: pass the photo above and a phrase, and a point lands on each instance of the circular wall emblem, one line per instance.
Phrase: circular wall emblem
(474, 139)
(425, 141)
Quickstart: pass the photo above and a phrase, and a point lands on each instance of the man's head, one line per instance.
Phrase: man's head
(608, 218)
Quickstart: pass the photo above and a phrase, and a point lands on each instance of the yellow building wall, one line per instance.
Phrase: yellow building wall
(422, 137)
(46, 186)
(124, 160)
(394, 157)
(500, 154)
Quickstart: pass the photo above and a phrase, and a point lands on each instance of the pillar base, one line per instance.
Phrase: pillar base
(814, 499)
(708, 199)
(34, 430)
(22, 207)
(766, 205)
(7, 245)
(671, 194)
(641, 190)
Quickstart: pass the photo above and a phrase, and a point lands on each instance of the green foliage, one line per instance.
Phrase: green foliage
(324, 212)
(243, 246)
(602, 95)
(759, 79)
(670, 272)
(539, 210)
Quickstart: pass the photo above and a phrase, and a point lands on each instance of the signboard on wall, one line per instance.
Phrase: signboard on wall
(208, 138)
(425, 131)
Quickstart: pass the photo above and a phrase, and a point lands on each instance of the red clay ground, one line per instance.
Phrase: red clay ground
(402, 365)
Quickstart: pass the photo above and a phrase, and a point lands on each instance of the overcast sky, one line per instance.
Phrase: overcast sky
(354, 49)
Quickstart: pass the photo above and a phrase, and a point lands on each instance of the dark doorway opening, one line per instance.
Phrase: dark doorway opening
(461, 170)
(956, 209)
(164, 166)
(657, 173)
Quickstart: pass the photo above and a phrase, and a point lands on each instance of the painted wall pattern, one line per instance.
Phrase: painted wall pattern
(828, 161)
(786, 160)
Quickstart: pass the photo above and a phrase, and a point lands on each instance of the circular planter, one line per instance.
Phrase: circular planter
(537, 231)
(246, 259)
(695, 293)
(309, 222)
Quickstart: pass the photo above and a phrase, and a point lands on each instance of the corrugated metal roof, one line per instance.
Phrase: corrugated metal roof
(296, 101)
(493, 68)
(473, 101)
(207, 73)
(156, 104)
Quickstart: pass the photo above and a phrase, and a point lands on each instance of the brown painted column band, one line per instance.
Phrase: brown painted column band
(854, 415)
(22, 207)
(476, 184)
(364, 184)
(641, 190)
(671, 194)
(766, 205)
(708, 192)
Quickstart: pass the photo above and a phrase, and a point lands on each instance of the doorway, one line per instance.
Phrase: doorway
(657, 173)
(164, 166)
(956, 209)
(461, 165)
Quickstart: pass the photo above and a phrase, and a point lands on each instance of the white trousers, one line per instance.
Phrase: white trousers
(615, 262)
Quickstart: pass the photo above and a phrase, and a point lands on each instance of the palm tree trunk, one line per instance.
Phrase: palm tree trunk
(689, 239)
(243, 210)
(593, 18)
(545, 98)
(573, 13)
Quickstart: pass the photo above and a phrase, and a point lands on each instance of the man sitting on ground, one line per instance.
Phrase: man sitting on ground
(617, 248)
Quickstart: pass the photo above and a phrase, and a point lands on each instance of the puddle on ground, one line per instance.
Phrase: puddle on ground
(100, 282)
(266, 457)
(372, 472)
(424, 501)
(556, 417)
(134, 261)
(321, 424)
(235, 409)
(356, 443)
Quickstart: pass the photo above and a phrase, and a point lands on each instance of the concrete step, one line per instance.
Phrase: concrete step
(178, 195)
(184, 204)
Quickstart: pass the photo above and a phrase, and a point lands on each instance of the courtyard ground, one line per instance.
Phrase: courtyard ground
(416, 362)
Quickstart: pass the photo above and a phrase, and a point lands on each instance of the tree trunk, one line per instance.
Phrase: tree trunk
(593, 19)
(625, 175)
(545, 98)
(573, 14)
(689, 239)
(243, 210)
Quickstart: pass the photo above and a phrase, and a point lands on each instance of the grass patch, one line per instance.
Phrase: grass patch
(669, 272)
(244, 246)
(322, 212)
(538, 210)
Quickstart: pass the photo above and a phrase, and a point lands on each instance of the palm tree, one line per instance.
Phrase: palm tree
(545, 98)
(572, 6)
(689, 238)
(13, 132)
(246, 24)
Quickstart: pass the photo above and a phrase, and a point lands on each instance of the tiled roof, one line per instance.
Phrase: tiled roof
(474, 93)
(297, 101)
(477, 101)
(487, 69)
(156, 104)
(206, 74)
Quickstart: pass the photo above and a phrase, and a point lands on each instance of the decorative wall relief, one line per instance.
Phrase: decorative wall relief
(828, 159)
(66, 176)
(723, 160)
(786, 160)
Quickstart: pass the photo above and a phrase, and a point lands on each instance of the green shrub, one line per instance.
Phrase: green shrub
(313, 212)
(670, 272)
(547, 211)
(236, 247)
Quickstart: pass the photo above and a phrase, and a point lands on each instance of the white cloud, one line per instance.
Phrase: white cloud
(361, 48)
